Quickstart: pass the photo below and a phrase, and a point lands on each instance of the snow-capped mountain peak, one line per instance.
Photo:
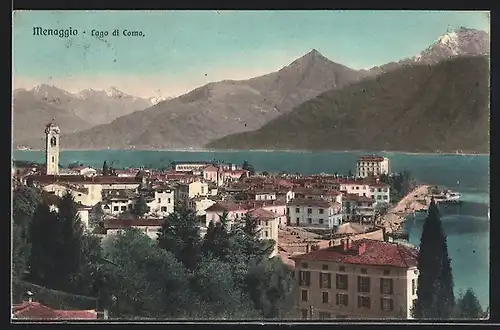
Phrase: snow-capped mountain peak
(114, 92)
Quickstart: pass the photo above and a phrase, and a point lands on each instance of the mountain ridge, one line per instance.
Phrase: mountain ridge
(421, 108)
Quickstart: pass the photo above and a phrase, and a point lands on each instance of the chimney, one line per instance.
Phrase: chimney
(361, 248)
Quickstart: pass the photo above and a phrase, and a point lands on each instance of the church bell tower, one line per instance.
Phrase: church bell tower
(52, 148)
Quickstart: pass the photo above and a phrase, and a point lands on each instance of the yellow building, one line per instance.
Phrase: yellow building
(365, 279)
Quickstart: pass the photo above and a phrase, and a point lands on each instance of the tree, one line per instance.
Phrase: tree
(140, 207)
(180, 235)
(70, 228)
(349, 174)
(105, 169)
(435, 282)
(468, 306)
(248, 167)
(43, 233)
(271, 287)
(24, 204)
(144, 279)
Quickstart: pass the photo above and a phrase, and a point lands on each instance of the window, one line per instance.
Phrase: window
(124, 208)
(364, 271)
(379, 197)
(287, 210)
(414, 286)
(342, 299)
(364, 302)
(106, 207)
(341, 268)
(386, 286)
(321, 211)
(372, 190)
(266, 234)
(414, 305)
(303, 295)
(341, 282)
(309, 220)
(387, 271)
(386, 304)
(159, 200)
(266, 223)
(303, 314)
(324, 315)
(385, 197)
(305, 278)
(321, 221)
(297, 221)
(304, 265)
(115, 208)
(325, 280)
(324, 297)
(129, 206)
(79, 194)
(325, 267)
(309, 211)
(53, 159)
(168, 201)
(297, 210)
(363, 284)
(164, 209)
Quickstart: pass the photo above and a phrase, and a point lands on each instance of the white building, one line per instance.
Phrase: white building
(372, 166)
(186, 191)
(314, 213)
(378, 191)
(189, 166)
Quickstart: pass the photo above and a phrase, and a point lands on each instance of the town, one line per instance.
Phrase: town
(346, 227)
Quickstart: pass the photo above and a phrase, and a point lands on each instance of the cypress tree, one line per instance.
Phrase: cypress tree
(140, 207)
(469, 307)
(43, 233)
(69, 256)
(105, 169)
(435, 282)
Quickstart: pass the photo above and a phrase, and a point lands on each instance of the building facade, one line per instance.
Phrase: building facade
(365, 279)
(308, 212)
(372, 166)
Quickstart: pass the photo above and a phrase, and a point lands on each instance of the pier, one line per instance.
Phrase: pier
(415, 201)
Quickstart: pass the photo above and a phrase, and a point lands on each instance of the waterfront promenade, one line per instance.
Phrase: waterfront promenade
(412, 202)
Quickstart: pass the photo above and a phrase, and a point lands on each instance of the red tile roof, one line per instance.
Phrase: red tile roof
(38, 311)
(225, 206)
(377, 253)
(312, 202)
(251, 203)
(371, 158)
(262, 214)
(83, 179)
(117, 223)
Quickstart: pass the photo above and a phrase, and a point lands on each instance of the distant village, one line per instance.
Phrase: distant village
(330, 228)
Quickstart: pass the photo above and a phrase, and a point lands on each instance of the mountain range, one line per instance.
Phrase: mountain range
(73, 112)
(442, 107)
(224, 108)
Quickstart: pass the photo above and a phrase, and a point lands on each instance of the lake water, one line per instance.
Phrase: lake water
(467, 227)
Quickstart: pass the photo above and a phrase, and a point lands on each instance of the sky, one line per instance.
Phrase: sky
(181, 50)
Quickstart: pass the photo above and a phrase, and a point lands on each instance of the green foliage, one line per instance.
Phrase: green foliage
(140, 207)
(144, 279)
(435, 282)
(43, 234)
(271, 287)
(400, 184)
(24, 203)
(468, 306)
(56, 241)
(180, 235)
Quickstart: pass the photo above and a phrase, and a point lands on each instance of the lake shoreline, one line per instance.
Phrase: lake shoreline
(282, 151)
